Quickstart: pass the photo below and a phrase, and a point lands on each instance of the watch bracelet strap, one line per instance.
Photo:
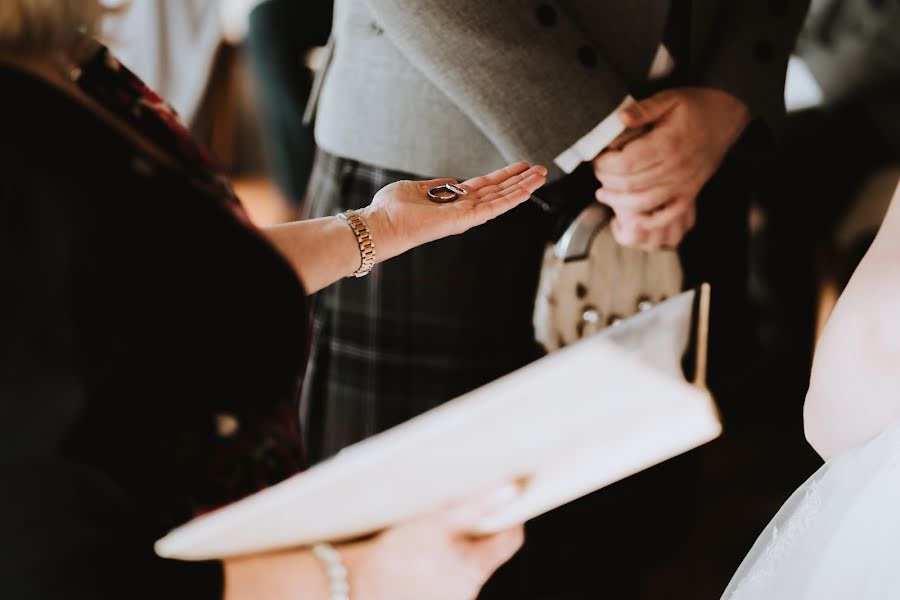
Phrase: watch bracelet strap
(364, 239)
(330, 558)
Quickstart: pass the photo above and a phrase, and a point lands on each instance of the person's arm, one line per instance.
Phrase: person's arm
(749, 54)
(529, 88)
(400, 217)
(652, 184)
(69, 530)
(854, 390)
(431, 557)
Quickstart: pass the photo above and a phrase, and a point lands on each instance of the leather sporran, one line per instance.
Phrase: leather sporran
(589, 281)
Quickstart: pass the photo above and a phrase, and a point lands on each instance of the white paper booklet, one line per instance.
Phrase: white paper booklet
(568, 424)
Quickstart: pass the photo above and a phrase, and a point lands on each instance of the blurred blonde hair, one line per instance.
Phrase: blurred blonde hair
(42, 26)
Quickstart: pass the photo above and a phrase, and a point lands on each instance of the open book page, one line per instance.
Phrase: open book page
(568, 424)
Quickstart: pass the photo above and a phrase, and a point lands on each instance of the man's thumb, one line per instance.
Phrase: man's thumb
(647, 111)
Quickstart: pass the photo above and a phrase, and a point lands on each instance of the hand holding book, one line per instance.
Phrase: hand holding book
(568, 424)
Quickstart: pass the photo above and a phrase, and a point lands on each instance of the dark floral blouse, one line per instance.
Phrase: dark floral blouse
(151, 341)
(272, 444)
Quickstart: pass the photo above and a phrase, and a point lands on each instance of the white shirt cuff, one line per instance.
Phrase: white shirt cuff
(599, 138)
(801, 89)
(663, 64)
(594, 142)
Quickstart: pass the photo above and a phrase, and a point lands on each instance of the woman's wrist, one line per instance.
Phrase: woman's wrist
(357, 558)
(333, 564)
(293, 574)
(364, 240)
(382, 233)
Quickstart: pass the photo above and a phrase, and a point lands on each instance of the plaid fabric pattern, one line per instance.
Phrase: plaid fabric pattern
(422, 328)
(449, 316)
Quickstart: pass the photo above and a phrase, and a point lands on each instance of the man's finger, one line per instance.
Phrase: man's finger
(655, 239)
(649, 110)
(626, 234)
(676, 231)
(643, 202)
(671, 212)
(638, 156)
(640, 182)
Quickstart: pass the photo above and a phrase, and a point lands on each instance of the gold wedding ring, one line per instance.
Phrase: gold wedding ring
(446, 193)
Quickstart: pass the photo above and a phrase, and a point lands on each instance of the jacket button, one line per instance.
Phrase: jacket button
(546, 15)
(587, 57)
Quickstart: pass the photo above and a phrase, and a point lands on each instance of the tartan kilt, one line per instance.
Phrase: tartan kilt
(447, 317)
(422, 328)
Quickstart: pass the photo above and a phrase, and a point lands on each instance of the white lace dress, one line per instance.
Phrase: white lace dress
(837, 537)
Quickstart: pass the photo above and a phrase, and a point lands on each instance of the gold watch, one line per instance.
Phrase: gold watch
(364, 238)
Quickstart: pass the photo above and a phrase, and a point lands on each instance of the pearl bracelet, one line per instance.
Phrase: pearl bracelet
(338, 586)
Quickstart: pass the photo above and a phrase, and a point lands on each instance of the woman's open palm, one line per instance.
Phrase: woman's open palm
(402, 216)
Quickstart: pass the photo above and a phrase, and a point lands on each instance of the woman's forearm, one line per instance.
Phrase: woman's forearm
(429, 557)
(321, 251)
(401, 216)
(282, 576)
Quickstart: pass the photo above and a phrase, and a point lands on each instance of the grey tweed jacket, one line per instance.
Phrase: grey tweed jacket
(458, 87)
